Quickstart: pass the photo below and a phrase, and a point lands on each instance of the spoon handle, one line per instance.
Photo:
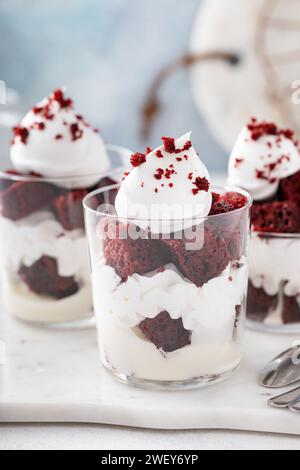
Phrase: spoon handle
(286, 399)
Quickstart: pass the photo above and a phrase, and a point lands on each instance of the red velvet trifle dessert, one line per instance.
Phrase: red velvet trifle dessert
(169, 271)
(57, 159)
(266, 162)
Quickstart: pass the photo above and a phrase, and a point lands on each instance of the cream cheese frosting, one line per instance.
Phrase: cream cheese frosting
(55, 142)
(263, 155)
(166, 188)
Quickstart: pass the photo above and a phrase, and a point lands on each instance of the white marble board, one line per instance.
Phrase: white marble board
(55, 376)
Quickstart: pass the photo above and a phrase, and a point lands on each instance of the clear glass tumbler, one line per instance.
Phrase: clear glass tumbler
(274, 282)
(170, 307)
(45, 275)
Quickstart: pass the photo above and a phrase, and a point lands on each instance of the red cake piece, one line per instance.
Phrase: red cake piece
(259, 303)
(43, 279)
(228, 202)
(22, 198)
(167, 334)
(277, 217)
(68, 209)
(290, 188)
(233, 227)
(107, 181)
(199, 266)
(112, 194)
(290, 310)
(130, 256)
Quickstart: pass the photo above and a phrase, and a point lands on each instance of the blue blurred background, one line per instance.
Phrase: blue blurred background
(107, 53)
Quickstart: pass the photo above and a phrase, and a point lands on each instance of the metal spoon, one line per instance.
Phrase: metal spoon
(284, 370)
(286, 399)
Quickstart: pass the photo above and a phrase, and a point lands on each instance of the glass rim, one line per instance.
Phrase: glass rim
(92, 194)
(68, 179)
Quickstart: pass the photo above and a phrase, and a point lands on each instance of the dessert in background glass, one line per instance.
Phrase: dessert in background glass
(57, 159)
(169, 271)
(266, 162)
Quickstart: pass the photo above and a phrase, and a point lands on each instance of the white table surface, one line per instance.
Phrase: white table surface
(98, 437)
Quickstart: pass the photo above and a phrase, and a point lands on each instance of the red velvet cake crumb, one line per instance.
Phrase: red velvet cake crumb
(137, 159)
(259, 129)
(58, 95)
(22, 133)
(169, 144)
(167, 334)
(76, 132)
(202, 184)
(43, 279)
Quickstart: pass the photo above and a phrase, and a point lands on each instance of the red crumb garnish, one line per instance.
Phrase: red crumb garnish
(171, 185)
(190, 176)
(170, 172)
(40, 126)
(125, 175)
(159, 174)
(260, 129)
(202, 184)
(159, 154)
(21, 132)
(76, 132)
(137, 159)
(156, 190)
(179, 159)
(58, 95)
(169, 144)
(260, 175)
(148, 150)
(238, 161)
(58, 137)
(186, 147)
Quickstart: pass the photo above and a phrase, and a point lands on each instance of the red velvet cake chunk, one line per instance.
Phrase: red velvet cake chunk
(199, 266)
(290, 188)
(277, 217)
(291, 310)
(23, 198)
(167, 334)
(43, 279)
(227, 202)
(259, 303)
(110, 196)
(129, 256)
(68, 209)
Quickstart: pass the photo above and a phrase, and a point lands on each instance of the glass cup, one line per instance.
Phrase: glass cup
(45, 274)
(170, 306)
(274, 282)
